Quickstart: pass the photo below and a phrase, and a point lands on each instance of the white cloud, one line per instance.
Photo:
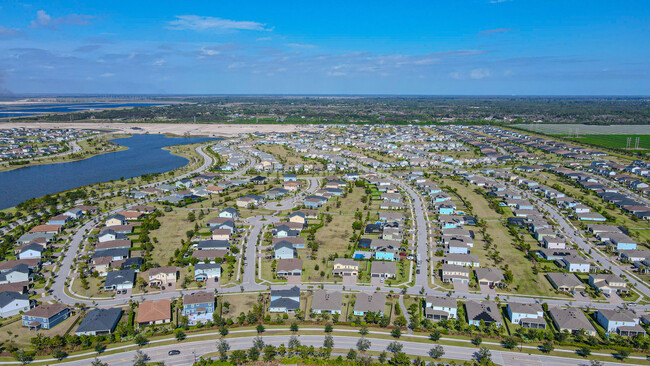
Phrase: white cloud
(480, 74)
(107, 75)
(44, 20)
(300, 45)
(160, 62)
(336, 73)
(209, 52)
(201, 23)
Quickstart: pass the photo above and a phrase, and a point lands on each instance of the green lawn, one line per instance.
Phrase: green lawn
(615, 141)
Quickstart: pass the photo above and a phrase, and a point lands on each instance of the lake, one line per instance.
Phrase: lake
(13, 110)
(145, 155)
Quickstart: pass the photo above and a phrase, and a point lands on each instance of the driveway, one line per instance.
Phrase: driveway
(486, 290)
(349, 280)
(462, 288)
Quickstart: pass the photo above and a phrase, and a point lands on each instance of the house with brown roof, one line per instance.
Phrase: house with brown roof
(51, 229)
(289, 267)
(45, 316)
(154, 312)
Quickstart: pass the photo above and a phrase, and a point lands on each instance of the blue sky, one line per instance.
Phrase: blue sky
(522, 47)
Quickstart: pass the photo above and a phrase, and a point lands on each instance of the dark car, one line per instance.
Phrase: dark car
(174, 352)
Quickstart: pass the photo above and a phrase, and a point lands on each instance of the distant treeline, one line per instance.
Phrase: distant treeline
(390, 110)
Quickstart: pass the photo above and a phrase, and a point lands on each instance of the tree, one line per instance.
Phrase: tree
(59, 354)
(436, 352)
(293, 327)
(180, 335)
(383, 356)
(352, 355)
(396, 332)
(260, 328)
(238, 357)
(269, 353)
(253, 354)
(484, 356)
(140, 358)
(400, 359)
(258, 343)
(477, 341)
(547, 347)
(191, 216)
(364, 330)
(584, 351)
(394, 347)
(328, 342)
(224, 330)
(223, 347)
(623, 354)
(363, 344)
(140, 340)
(23, 357)
(293, 342)
(595, 363)
(99, 348)
(97, 362)
(510, 343)
(435, 335)
(329, 328)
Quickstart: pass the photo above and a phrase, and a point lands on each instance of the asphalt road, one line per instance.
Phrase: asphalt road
(194, 349)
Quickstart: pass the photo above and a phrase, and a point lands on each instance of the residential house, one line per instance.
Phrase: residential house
(163, 276)
(383, 270)
(489, 276)
(154, 312)
(530, 315)
(608, 283)
(99, 322)
(285, 301)
(289, 267)
(198, 306)
(565, 282)
(12, 303)
(45, 316)
(439, 308)
(207, 271)
(465, 260)
(454, 273)
(486, 312)
(369, 302)
(623, 322)
(572, 320)
(119, 280)
(346, 267)
(329, 302)
(284, 250)
(116, 219)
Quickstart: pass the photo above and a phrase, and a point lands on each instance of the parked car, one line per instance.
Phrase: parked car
(174, 352)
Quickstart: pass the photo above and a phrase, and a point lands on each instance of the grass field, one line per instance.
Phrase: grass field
(21, 335)
(615, 141)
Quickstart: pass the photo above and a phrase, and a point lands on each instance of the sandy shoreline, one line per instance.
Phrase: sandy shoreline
(214, 130)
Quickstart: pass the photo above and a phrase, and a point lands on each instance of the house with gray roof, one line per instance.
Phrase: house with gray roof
(571, 319)
(567, 282)
(119, 280)
(285, 301)
(99, 322)
(529, 315)
(12, 303)
(486, 311)
(439, 307)
(327, 302)
(369, 302)
(489, 276)
(383, 269)
(623, 322)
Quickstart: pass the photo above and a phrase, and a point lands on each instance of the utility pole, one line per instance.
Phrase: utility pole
(636, 145)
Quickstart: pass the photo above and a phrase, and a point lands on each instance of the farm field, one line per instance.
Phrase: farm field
(615, 141)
